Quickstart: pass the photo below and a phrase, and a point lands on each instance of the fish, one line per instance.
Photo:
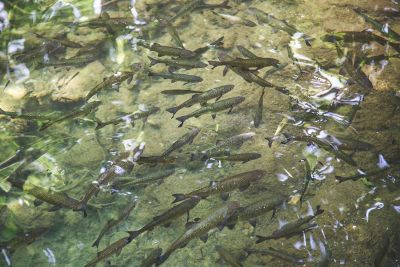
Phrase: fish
(228, 103)
(26, 116)
(183, 140)
(175, 64)
(31, 155)
(180, 92)
(245, 52)
(253, 210)
(277, 24)
(243, 157)
(124, 164)
(28, 237)
(200, 229)
(172, 51)
(59, 200)
(324, 145)
(202, 98)
(114, 248)
(246, 63)
(228, 257)
(82, 111)
(189, 7)
(307, 178)
(177, 77)
(236, 19)
(354, 72)
(156, 176)
(223, 5)
(361, 175)
(359, 37)
(326, 255)
(345, 143)
(152, 259)
(236, 140)
(292, 228)
(63, 42)
(277, 254)
(109, 82)
(385, 30)
(278, 131)
(19, 155)
(259, 110)
(201, 50)
(166, 217)
(74, 61)
(156, 160)
(239, 181)
(174, 34)
(131, 118)
(264, 83)
(114, 222)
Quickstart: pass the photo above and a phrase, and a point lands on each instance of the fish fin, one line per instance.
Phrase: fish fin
(253, 222)
(270, 141)
(319, 210)
(273, 213)
(260, 239)
(214, 63)
(166, 225)
(225, 71)
(172, 69)
(213, 116)
(230, 110)
(172, 110)
(190, 224)
(118, 252)
(224, 196)
(178, 197)
(96, 243)
(182, 120)
(153, 61)
(54, 208)
(244, 187)
(204, 237)
(99, 124)
(37, 202)
(133, 234)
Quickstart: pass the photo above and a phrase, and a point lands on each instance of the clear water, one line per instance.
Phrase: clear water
(358, 215)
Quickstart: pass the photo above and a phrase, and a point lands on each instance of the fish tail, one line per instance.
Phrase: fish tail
(178, 197)
(153, 61)
(318, 211)
(82, 207)
(182, 119)
(161, 259)
(99, 124)
(172, 110)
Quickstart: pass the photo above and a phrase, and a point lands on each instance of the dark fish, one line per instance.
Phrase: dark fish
(59, 200)
(277, 254)
(82, 111)
(331, 148)
(201, 50)
(228, 103)
(277, 24)
(362, 175)
(247, 63)
(19, 155)
(24, 239)
(26, 116)
(63, 42)
(264, 83)
(114, 248)
(189, 7)
(257, 208)
(74, 61)
(156, 176)
(178, 63)
(345, 143)
(326, 255)
(156, 160)
(385, 30)
(359, 37)
(113, 222)
(202, 98)
(177, 77)
(124, 164)
(166, 217)
(236, 141)
(152, 259)
(236, 19)
(109, 82)
(355, 72)
(259, 110)
(239, 181)
(180, 92)
(228, 257)
(217, 219)
(307, 178)
(292, 228)
(131, 118)
(245, 52)
(243, 157)
(31, 155)
(172, 51)
(183, 140)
